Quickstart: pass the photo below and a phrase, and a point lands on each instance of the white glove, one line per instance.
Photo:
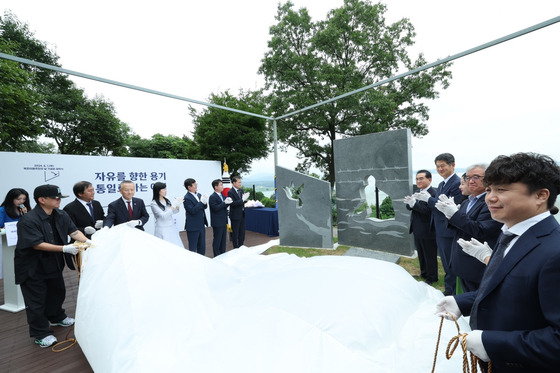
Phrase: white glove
(444, 198)
(134, 223)
(447, 306)
(447, 208)
(475, 248)
(98, 224)
(410, 201)
(245, 196)
(228, 200)
(474, 345)
(422, 196)
(89, 230)
(89, 243)
(70, 249)
(178, 201)
(204, 198)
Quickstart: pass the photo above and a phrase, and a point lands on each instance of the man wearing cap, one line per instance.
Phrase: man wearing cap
(40, 254)
(127, 209)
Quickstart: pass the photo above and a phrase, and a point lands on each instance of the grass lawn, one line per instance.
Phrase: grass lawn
(410, 265)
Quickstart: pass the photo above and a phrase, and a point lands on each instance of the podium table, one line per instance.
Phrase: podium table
(13, 300)
(262, 220)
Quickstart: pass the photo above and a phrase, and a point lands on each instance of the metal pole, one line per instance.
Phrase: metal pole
(275, 160)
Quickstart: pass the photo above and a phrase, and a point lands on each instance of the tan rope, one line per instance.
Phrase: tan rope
(452, 346)
(72, 342)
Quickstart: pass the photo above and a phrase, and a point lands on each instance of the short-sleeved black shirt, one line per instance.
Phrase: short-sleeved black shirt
(34, 228)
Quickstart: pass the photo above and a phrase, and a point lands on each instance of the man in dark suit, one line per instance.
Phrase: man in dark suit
(85, 212)
(218, 217)
(424, 235)
(237, 212)
(514, 315)
(449, 187)
(195, 204)
(471, 220)
(127, 209)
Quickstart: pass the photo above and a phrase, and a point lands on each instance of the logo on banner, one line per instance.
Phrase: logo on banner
(50, 172)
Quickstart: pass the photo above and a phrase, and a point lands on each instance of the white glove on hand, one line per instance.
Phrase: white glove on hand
(89, 230)
(422, 196)
(228, 200)
(89, 243)
(98, 224)
(447, 306)
(447, 208)
(245, 196)
(178, 201)
(444, 198)
(70, 249)
(410, 201)
(474, 345)
(134, 223)
(476, 249)
(204, 198)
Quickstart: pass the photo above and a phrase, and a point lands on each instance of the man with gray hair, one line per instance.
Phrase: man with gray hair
(470, 220)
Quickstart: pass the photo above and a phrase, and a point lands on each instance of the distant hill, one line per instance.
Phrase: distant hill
(263, 180)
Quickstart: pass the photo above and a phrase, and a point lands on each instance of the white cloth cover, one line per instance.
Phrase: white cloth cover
(145, 305)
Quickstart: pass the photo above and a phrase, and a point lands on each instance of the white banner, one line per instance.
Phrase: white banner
(29, 170)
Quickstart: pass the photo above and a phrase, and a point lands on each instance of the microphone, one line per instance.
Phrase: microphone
(21, 208)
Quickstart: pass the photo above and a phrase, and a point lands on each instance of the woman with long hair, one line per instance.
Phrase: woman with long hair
(163, 211)
(14, 206)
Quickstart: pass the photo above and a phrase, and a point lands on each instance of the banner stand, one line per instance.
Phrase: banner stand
(13, 299)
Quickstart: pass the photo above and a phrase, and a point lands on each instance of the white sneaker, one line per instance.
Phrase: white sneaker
(48, 341)
(68, 321)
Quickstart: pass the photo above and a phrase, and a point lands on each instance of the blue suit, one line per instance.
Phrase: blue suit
(117, 213)
(424, 238)
(194, 223)
(444, 236)
(519, 313)
(477, 223)
(218, 220)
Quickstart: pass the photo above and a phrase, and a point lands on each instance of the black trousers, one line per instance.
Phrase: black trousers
(43, 303)
(427, 256)
(238, 232)
(219, 240)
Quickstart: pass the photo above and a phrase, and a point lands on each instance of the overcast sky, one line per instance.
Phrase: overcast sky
(500, 101)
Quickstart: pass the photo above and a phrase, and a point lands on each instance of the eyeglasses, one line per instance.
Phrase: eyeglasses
(474, 178)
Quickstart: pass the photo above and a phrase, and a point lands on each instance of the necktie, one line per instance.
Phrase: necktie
(129, 209)
(440, 188)
(91, 211)
(494, 263)
(240, 192)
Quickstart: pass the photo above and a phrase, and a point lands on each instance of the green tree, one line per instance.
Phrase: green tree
(20, 105)
(58, 109)
(160, 146)
(308, 62)
(79, 125)
(220, 134)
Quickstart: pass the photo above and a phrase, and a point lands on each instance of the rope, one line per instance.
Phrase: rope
(452, 346)
(72, 342)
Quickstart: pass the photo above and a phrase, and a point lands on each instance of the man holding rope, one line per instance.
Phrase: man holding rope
(41, 250)
(515, 314)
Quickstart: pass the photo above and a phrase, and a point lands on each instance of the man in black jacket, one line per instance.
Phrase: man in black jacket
(85, 212)
(424, 234)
